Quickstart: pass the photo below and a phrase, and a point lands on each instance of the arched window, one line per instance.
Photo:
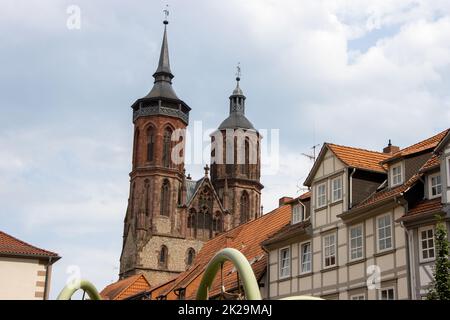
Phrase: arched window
(217, 222)
(136, 148)
(190, 256)
(150, 143)
(244, 207)
(163, 257)
(147, 196)
(192, 223)
(165, 198)
(180, 195)
(246, 165)
(167, 149)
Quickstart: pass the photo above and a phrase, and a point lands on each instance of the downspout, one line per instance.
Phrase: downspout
(409, 256)
(410, 259)
(47, 271)
(267, 273)
(350, 205)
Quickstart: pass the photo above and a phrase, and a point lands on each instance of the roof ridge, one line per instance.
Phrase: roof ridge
(355, 148)
(27, 244)
(132, 282)
(429, 138)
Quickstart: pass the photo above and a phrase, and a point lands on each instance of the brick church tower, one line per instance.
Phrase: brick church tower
(154, 218)
(236, 162)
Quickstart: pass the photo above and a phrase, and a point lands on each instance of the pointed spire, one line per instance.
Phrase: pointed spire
(238, 90)
(164, 63)
(162, 87)
(237, 118)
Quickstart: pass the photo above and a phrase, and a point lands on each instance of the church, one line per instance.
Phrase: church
(170, 215)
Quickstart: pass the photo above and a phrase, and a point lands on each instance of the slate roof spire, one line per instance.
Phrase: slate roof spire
(237, 119)
(162, 87)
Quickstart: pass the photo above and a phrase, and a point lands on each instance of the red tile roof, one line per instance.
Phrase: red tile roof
(432, 163)
(303, 197)
(247, 238)
(359, 158)
(426, 206)
(125, 288)
(10, 245)
(424, 145)
(386, 194)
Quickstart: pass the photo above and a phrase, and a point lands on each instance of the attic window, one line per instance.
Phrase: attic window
(396, 175)
(297, 213)
(435, 185)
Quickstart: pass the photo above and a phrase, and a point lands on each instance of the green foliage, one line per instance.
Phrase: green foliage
(440, 287)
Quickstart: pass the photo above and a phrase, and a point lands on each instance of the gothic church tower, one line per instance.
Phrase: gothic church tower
(154, 228)
(236, 162)
(170, 216)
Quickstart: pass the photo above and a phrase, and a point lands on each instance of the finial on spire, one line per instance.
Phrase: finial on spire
(206, 170)
(238, 72)
(166, 14)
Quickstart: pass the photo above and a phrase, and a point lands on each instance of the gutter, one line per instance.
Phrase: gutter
(47, 272)
(410, 259)
(409, 252)
(267, 272)
(350, 205)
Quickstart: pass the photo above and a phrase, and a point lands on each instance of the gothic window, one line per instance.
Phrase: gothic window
(217, 222)
(246, 165)
(163, 257)
(165, 198)
(191, 223)
(244, 207)
(190, 256)
(167, 150)
(204, 217)
(150, 143)
(147, 196)
(179, 195)
(136, 147)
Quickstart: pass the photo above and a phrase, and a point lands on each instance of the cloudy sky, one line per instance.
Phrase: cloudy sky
(351, 72)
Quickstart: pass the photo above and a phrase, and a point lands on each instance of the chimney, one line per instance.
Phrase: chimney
(390, 148)
(283, 201)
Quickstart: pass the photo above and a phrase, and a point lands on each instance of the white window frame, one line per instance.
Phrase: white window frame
(357, 296)
(421, 258)
(398, 165)
(361, 225)
(324, 247)
(299, 216)
(430, 185)
(340, 189)
(391, 231)
(447, 161)
(301, 257)
(385, 289)
(280, 266)
(324, 184)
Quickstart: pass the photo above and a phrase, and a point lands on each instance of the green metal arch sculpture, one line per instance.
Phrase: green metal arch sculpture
(250, 284)
(68, 291)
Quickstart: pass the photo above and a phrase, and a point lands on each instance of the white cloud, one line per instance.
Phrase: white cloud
(355, 72)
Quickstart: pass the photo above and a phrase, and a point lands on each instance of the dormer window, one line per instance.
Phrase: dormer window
(435, 185)
(396, 175)
(336, 185)
(321, 197)
(298, 213)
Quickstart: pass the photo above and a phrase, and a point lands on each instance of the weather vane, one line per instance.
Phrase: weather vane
(238, 71)
(166, 13)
